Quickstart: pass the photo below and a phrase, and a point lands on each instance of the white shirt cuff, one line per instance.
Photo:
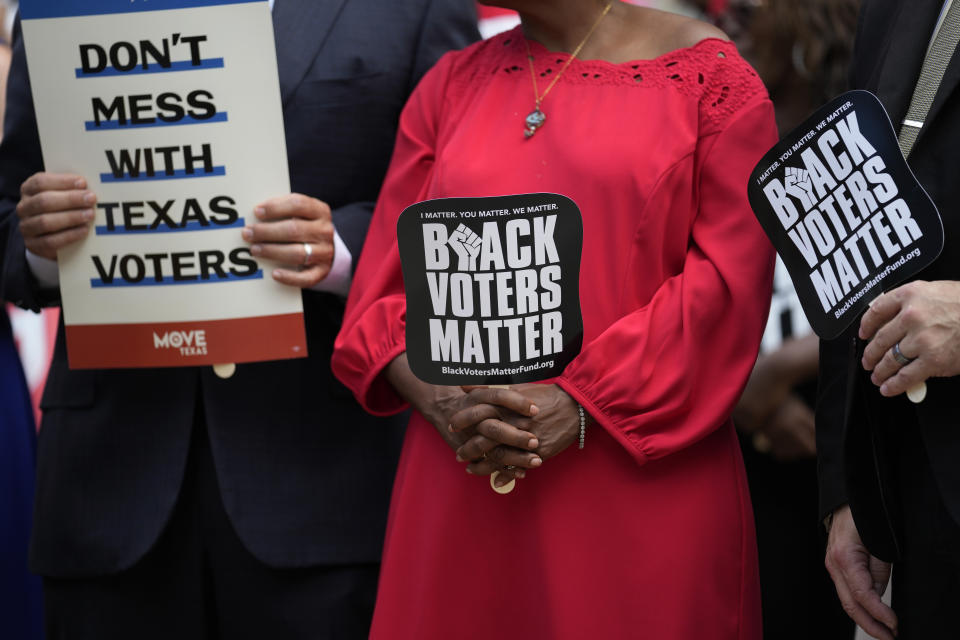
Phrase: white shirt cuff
(340, 276)
(44, 270)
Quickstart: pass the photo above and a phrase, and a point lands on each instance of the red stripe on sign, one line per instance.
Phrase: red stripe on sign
(184, 344)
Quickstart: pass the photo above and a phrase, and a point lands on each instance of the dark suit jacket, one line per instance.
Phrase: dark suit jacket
(856, 427)
(305, 474)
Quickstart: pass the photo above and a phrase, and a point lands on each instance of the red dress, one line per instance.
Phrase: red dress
(647, 532)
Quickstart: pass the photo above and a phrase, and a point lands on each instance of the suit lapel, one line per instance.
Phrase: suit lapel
(900, 69)
(300, 28)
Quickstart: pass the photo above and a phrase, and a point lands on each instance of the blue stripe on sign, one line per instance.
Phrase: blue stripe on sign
(155, 67)
(178, 174)
(33, 9)
(110, 125)
(190, 226)
(168, 280)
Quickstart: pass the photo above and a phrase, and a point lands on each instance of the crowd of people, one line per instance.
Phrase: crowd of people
(665, 485)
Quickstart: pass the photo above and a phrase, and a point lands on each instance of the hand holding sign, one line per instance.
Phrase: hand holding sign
(555, 425)
(499, 440)
(924, 319)
(849, 219)
(492, 287)
(287, 223)
(55, 211)
(150, 104)
(460, 417)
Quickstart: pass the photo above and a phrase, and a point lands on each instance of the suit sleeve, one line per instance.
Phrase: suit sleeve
(668, 374)
(20, 157)
(832, 395)
(374, 324)
(446, 25)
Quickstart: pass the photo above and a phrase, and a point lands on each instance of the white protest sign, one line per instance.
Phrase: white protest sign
(171, 111)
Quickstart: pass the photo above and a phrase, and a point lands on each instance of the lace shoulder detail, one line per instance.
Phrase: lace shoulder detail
(480, 58)
(711, 72)
(729, 83)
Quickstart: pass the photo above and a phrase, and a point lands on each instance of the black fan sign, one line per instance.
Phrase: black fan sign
(493, 294)
(844, 211)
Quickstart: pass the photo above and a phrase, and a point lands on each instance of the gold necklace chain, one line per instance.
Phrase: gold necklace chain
(536, 118)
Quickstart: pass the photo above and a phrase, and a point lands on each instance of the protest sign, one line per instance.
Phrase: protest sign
(844, 211)
(492, 286)
(170, 109)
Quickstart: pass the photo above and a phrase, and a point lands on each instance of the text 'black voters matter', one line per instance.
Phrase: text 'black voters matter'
(844, 211)
(492, 287)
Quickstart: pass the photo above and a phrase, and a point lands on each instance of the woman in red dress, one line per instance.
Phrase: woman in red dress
(647, 532)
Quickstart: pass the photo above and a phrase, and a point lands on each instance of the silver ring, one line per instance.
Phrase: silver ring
(898, 356)
(307, 252)
(510, 467)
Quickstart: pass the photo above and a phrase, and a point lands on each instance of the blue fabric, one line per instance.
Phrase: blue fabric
(20, 592)
(306, 482)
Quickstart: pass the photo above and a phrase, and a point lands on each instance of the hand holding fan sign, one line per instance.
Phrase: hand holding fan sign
(493, 299)
(850, 221)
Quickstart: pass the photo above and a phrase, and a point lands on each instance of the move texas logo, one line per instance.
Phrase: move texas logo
(187, 343)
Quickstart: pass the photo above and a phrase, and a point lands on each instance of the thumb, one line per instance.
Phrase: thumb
(863, 579)
(880, 573)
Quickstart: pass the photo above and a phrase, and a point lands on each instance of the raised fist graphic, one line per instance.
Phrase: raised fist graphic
(798, 184)
(466, 244)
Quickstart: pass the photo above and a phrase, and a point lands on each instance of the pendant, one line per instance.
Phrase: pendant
(533, 122)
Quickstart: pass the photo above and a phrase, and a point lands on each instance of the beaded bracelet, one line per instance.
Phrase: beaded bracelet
(583, 424)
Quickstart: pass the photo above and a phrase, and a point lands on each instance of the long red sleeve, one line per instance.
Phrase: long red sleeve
(374, 323)
(676, 273)
(669, 373)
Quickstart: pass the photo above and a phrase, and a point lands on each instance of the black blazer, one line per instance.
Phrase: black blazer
(305, 474)
(856, 426)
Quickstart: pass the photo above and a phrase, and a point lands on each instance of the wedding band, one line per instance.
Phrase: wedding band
(898, 356)
(510, 467)
(307, 252)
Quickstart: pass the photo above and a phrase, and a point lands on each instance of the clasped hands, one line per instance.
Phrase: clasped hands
(57, 210)
(507, 430)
